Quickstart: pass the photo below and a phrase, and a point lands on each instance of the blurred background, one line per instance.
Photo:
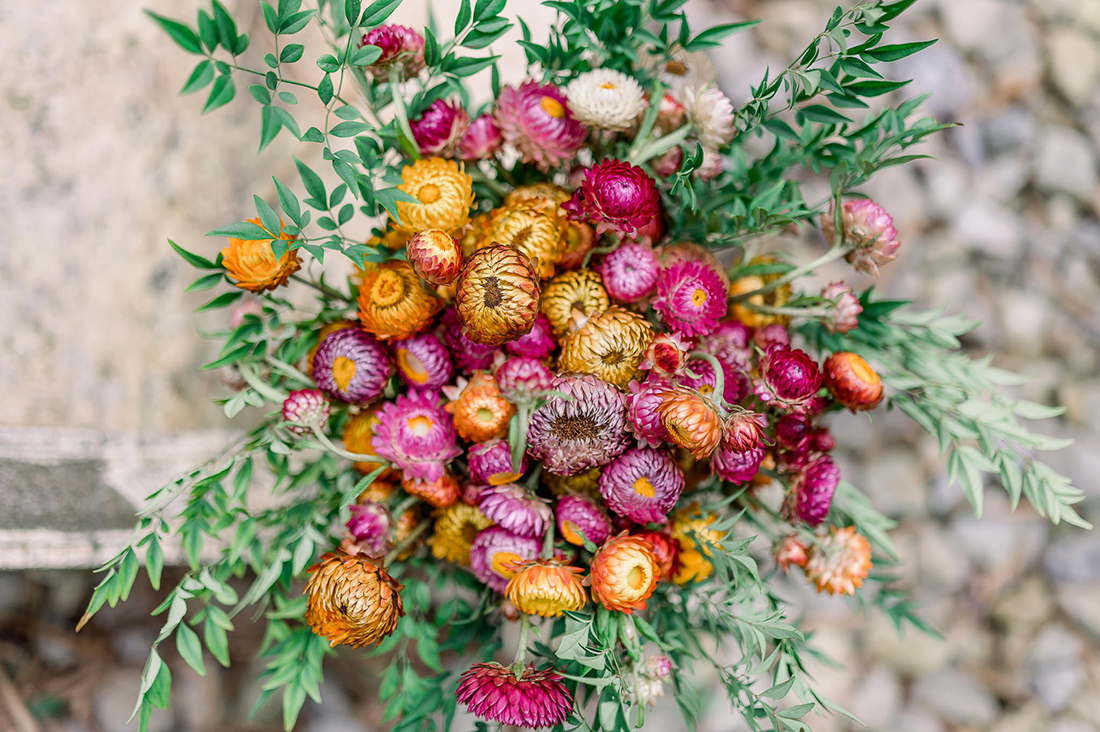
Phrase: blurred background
(103, 162)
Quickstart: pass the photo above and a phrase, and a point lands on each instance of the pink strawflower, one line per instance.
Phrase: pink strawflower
(468, 355)
(711, 114)
(491, 463)
(671, 114)
(844, 308)
(658, 667)
(400, 46)
(482, 139)
(577, 513)
(615, 196)
(308, 408)
(493, 552)
(423, 362)
(771, 337)
(440, 128)
(416, 435)
(585, 431)
(523, 379)
(535, 118)
(350, 365)
(668, 163)
(812, 491)
(735, 386)
(642, 417)
(630, 272)
(792, 430)
(531, 699)
(731, 342)
(737, 466)
(690, 298)
(538, 343)
(790, 379)
(869, 228)
(711, 167)
(666, 356)
(643, 484)
(515, 508)
(744, 430)
(371, 527)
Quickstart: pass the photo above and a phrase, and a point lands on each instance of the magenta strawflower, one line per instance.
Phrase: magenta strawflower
(630, 272)
(790, 380)
(642, 417)
(869, 229)
(493, 552)
(400, 46)
(350, 365)
(533, 699)
(440, 128)
(690, 298)
(666, 356)
(538, 343)
(416, 435)
(423, 362)
(821, 440)
(535, 118)
(643, 484)
(792, 430)
(812, 490)
(744, 430)
(468, 355)
(615, 196)
(516, 509)
(844, 308)
(491, 463)
(576, 514)
(668, 163)
(735, 384)
(583, 432)
(523, 379)
(307, 408)
(771, 337)
(731, 342)
(483, 139)
(371, 528)
(737, 466)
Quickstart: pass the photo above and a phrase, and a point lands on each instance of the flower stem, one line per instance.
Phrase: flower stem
(830, 256)
(321, 288)
(327, 444)
(406, 543)
(404, 506)
(793, 312)
(400, 112)
(548, 543)
(719, 395)
(288, 370)
(261, 387)
(521, 647)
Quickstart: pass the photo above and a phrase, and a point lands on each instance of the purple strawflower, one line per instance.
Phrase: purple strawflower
(731, 342)
(491, 463)
(737, 466)
(423, 362)
(585, 431)
(308, 408)
(416, 435)
(630, 272)
(869, 229)
(643, 484)
(578, 513)
(642, 417)
(515, 508)
(350, 365)
(468, 355)
(844, 309)
(615, 196)
(812, 491)
(493, 552)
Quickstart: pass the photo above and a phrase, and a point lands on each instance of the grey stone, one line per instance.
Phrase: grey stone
(913, 654)
(877, 698)
(957, 697)
(1000, 543)
(916, 719)
(1074, 58)
(1072, 725)
(1082, 603)
(1075, 558)
(1067, 163)
(114, 701)
(942, 71)
(1026, 606)
(1031, 718)
(1013, 129)
(990, 228)
(895, 481)
(1054, 668)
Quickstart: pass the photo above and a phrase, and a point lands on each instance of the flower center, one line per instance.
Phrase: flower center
(411, 366)
(501, 561)
(676, 68)
(389, 289)
(502, 478)
(552, 107)
(608, 85)
(420, 425)
(493, 296)
(644, 488)
(343, 371)
(575, 428)
(699, 297)
(636, 578)
(862, 371)
(470, 532)
(613, 358)
(428, 193)
(485, 414)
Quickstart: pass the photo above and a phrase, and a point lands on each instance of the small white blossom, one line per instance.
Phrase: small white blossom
(606, 99)
(711, 112)
(681, 70)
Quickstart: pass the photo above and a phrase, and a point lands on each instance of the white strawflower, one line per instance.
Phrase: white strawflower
(711, 112)
(681, 70)
(605, 98)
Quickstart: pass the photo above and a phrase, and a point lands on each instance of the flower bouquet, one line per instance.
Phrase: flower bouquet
(574, 383)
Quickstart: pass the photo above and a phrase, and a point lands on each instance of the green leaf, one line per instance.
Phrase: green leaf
(200, 77)
(216, 641)
(796, 712)
(160, 690)
(193, 259)
(184, 37)
(823, 114)
(896, 51)
(377, 12)
(207, 32)
(296, 22)
(154, 562)
(463, 18)
(260, 93)
(324, 90)
(1034, 410)
(352, 9)
(206, 282)
(366, 56)
(291, 53)
(388, 198)
(271, 17)
(288, 202)
(268, 217)
(875, 87)
(190, 648)
(223, 300)
(244, 230)
(270, 124)
(350, 129)
(485, 9)
(221, 94)
(713, 36)
(294, 696)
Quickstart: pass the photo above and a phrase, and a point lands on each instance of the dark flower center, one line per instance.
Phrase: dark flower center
(575, 428)
(493, 295)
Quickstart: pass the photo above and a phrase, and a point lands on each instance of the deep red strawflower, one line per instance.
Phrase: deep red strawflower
(790, 379)
(440, 128)
(615, 196)
(533, 700)
(812, 490)
(400, 45)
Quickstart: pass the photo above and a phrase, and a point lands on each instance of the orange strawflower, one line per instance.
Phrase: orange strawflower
(839, 562)
(394, 304)
(357, 436)
(546, 587)
(775, 298)
(439, 493)
(852, 381)
(253, 264)
(480, 412)
(352, 601)
(624, 574)
(444, 194)
(536, 233)
(691, 420)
